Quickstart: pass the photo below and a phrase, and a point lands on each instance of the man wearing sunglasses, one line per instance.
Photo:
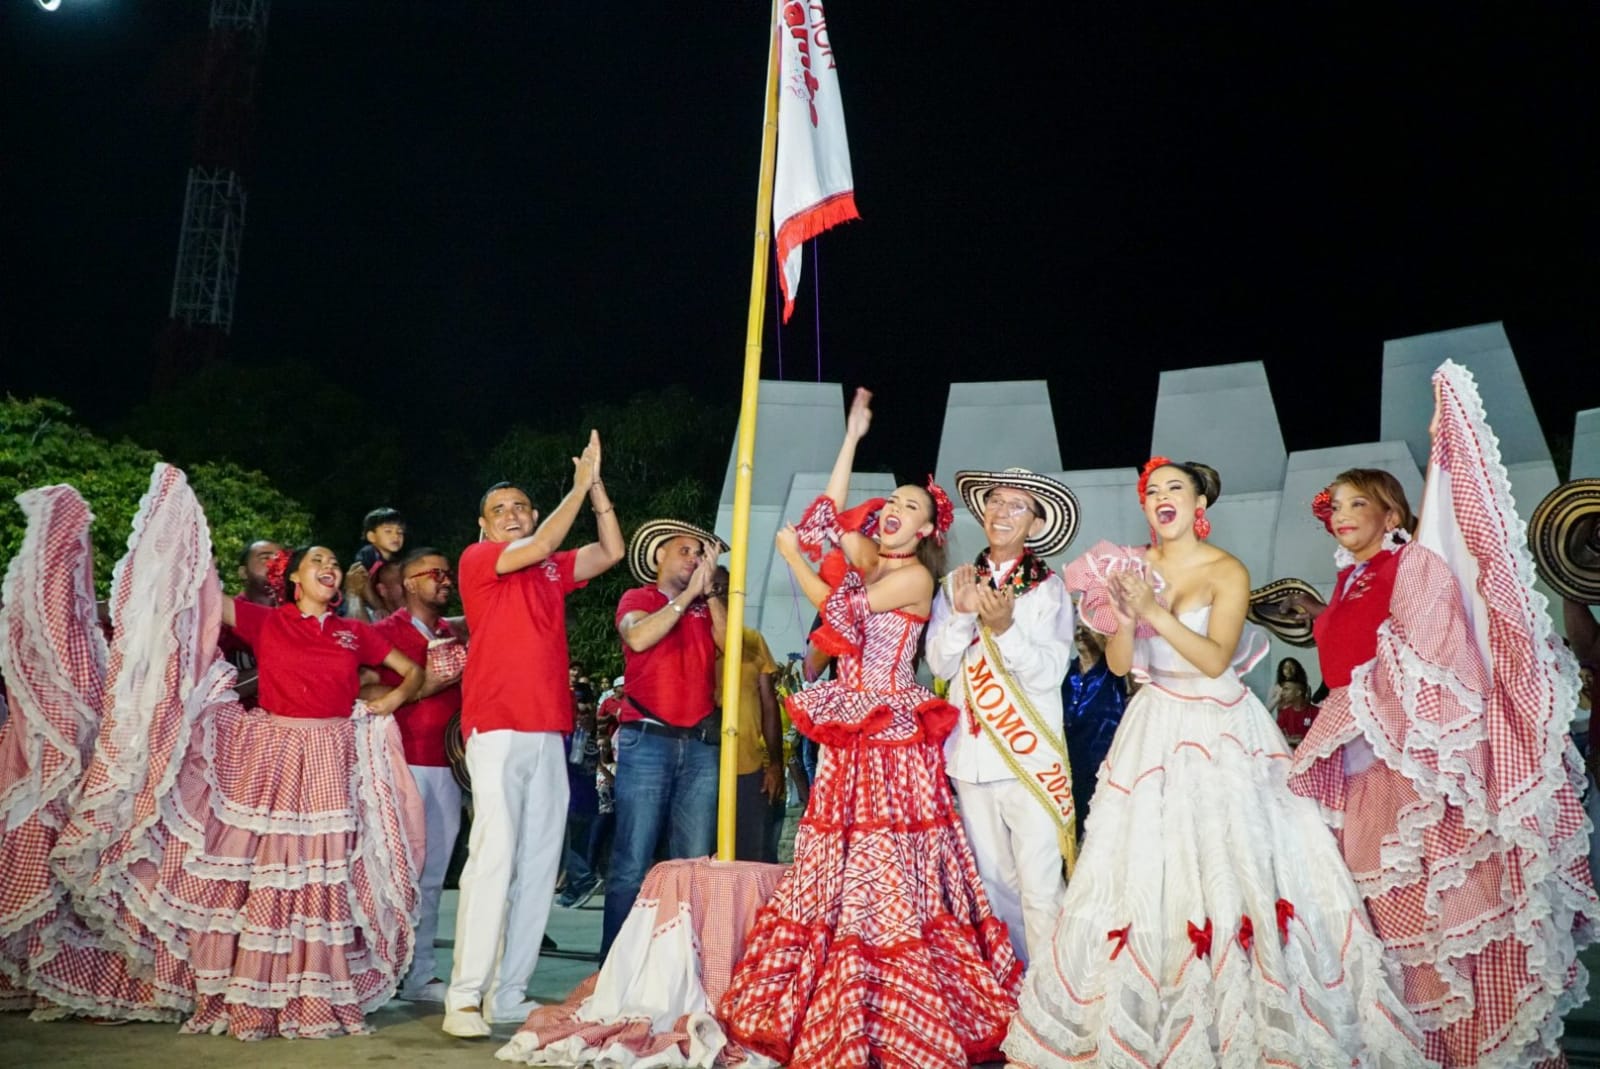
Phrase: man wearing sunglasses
(420, 629)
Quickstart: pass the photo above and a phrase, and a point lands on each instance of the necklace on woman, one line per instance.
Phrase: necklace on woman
(884, 554)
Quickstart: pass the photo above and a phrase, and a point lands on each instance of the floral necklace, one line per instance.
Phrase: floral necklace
(1028, 573)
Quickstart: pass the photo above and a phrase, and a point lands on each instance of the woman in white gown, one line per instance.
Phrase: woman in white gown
(1211, 919)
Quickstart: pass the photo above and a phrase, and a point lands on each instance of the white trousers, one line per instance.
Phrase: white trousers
(1019, 858)
(519, 819)
(441, 807)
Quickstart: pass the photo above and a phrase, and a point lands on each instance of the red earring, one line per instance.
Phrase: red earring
(1202, 526)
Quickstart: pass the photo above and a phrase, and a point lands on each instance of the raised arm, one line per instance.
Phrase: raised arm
(859, 550)
(811, 584)
(525, 552)
(605, 552)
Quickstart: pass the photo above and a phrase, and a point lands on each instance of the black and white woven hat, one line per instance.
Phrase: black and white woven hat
(652, 535)
(1055, 500)
(1276, 608)
(1564, 538)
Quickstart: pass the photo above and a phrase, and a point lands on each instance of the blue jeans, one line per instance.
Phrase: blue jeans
(661, 782)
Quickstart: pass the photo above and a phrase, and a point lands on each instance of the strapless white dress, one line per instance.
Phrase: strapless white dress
(1211, 920)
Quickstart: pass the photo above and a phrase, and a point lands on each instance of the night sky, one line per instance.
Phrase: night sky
(509, 206)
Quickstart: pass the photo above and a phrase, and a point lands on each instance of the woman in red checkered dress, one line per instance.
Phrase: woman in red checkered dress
(879, 947)
(255, 868)
(1441, 754)
(1210, 920)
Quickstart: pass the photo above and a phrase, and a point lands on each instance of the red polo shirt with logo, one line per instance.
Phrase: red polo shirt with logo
(675, 678)
(516, 675)
(422, 722)
(309, 667)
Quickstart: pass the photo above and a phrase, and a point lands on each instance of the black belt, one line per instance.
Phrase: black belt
(706, 731)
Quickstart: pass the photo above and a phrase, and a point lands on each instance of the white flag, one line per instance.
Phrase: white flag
(813, 189)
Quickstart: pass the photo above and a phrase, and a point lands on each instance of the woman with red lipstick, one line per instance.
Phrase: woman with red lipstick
(1440, 754)
(257, 868)
(1210, 919)
(879, 946)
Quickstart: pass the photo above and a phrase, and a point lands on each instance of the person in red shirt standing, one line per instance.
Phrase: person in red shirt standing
(420, 631)
(667, 742)
(516, 705)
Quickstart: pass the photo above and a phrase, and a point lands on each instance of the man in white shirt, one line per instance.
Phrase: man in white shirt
(1001, 633)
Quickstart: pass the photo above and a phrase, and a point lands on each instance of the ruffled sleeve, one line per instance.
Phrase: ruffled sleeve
(844, 616)
(823, 524)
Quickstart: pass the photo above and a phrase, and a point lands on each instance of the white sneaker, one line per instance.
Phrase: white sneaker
(514, 1014)
(432, 991)
(465, 1024)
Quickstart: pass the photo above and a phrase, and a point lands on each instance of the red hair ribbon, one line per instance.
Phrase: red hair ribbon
(944, 512)
(1119, 936)
(1144, 474)
(1201, 938)
(1285, 915)
(1322, 508)
(1247, 932)
(275, 569)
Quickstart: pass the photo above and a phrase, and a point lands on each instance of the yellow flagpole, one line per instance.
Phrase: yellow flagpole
(733, 643)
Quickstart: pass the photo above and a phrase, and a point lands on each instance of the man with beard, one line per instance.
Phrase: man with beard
(420, 631)
(667, 744)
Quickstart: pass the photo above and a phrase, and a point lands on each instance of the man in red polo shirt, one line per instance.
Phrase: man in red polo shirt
(516, 706)
(420, 631)
(667, 743)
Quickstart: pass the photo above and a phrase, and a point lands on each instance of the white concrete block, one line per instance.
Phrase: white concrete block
(798, 428)
(994, 425)
(1586, 444)
(1407, 401)
(1222, 416)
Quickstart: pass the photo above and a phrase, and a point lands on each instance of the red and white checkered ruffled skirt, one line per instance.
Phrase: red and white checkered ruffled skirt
(251, 873)
(278, 895)
(879, 946)
(1459, 809)
(53, 657)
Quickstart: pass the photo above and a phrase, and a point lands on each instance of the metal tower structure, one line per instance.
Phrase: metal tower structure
(200, 316)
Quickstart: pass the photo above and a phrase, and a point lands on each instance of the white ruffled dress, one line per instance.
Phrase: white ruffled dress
(1211, 920)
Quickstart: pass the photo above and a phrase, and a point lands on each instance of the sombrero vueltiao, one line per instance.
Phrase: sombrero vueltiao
(650, 537)
(1058, 504)
(1564, 538)
(1272, 607)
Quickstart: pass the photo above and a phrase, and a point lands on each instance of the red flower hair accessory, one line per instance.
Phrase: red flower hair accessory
(278, 565)
(1144, 473)
(944, 514)
(1322, 508)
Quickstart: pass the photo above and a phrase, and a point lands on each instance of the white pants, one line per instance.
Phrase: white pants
(519, 818)
(441, 806)
(1014, 842)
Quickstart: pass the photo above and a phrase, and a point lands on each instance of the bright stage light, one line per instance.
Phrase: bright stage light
(48, 5)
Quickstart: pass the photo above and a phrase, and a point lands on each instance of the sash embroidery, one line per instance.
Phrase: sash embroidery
(1023, 740)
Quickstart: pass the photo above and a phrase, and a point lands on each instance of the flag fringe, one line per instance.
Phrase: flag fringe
(802, 226)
